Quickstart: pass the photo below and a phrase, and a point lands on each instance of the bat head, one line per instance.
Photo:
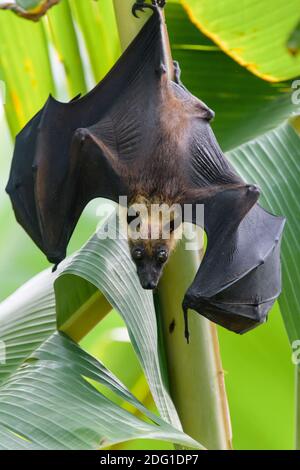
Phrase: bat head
(149, 258)
(152, 234)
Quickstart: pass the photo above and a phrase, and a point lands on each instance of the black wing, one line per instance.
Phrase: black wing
(70, 153)
(239, 278)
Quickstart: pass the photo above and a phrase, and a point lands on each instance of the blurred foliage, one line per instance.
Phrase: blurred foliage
(110, 343)
(245, 105)
(293, 43)
(259, 378)
(247, 33)
(36, 59)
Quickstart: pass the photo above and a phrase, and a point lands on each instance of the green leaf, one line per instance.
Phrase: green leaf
(245, 105)
(27, 319)
(50, 403)
(247, 33)
(44, 396)
(259, 372)
(62, 33)
(24, 68)
(293, 43)
(24, 56)
(97, 24)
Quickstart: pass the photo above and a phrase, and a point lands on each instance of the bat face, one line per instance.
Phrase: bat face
(151, 238)
(149, 258)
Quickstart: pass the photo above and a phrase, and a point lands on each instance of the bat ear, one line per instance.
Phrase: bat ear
(205, 112)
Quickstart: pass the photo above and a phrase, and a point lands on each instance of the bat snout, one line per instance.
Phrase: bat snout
(148, 276)
(149, 285)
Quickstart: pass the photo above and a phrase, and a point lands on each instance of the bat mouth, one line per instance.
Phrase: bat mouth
(149, 285)
(55, 259)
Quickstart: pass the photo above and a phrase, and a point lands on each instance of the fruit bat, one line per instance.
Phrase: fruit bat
(142, 134)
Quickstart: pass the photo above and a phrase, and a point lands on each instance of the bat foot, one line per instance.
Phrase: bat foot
(140, 5)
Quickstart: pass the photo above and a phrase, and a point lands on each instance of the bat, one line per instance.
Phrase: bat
(142, 134)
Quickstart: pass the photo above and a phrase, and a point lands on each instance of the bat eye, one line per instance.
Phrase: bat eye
(162, 256)
(137, 254)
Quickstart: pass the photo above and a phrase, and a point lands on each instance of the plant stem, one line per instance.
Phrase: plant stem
(195, 372)
(128, 25)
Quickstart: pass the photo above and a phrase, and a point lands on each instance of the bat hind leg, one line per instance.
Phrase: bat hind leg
(140, 5)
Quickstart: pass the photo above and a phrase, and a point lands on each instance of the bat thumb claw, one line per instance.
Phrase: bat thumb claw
(55, 262)
(55, 268)
(186, 324)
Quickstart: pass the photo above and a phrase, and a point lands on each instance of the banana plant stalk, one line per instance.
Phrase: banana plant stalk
(194, 371)
(295, 123)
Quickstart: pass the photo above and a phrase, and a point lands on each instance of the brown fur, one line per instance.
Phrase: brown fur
(162, 179)
(150, 243)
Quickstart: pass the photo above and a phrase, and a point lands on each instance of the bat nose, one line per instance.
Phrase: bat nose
(149, 285)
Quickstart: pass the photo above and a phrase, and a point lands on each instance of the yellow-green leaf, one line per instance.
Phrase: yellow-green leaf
(253, 32)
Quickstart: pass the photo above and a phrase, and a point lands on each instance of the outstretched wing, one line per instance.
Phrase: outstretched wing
(239, 278)
(21, 181)
(70, 153)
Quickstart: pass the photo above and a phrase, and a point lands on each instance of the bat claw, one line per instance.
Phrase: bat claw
(186, 324)
(55, 268)
(140, 5)
(136, 7)
(55, 261)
